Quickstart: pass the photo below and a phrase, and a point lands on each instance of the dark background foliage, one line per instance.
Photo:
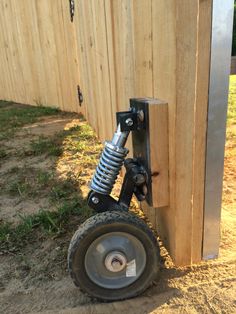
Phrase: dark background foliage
(234, 32)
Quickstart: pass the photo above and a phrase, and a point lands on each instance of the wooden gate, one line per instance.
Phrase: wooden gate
(115, 50)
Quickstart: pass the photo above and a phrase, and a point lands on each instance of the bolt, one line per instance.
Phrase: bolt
(145, 190)
(139, 178)
(129, 122)
(95, 200)
(141, 115)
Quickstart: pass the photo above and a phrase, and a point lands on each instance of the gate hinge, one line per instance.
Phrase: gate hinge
(80, 95)
(72, 9)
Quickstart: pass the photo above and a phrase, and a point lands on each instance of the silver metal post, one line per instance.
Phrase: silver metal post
(222, 22)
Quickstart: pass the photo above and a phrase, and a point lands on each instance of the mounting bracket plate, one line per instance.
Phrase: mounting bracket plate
(150, 147)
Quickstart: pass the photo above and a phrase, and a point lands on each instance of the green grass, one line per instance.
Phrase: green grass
(45, 222)
(12, 117)
(64, 197)
(26, 182)
(20, 188)
(30, 182)
(63, 190)
(231, 115)
(45, 145)
(79, 140)
(43, 178)
(3, 153)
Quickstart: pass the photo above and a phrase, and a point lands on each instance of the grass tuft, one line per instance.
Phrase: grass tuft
(43, 145)
(63, 205)
(231, 116)
(3, 153)
(12, 117)
(52, 223)
(19, 188)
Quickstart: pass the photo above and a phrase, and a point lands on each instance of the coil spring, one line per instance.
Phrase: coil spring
(108, 168)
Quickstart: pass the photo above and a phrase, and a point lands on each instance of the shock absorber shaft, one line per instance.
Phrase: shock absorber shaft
(110, 163)
(120, 138)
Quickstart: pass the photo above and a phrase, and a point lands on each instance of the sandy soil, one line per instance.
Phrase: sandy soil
(36, 280)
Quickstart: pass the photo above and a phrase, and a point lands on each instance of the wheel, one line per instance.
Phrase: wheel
(113, 256)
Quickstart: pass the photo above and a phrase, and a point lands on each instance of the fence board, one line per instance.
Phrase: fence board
(12, 52)
(143, 58)
(35, 52)
(101, 82)
(164, 83)
(83, 63)
(111, 61)
(66, 88)
(86, 26)
(5, 87)
(72, 63)
(122, 15)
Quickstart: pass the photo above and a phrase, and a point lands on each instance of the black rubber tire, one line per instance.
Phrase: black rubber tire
(103, 223)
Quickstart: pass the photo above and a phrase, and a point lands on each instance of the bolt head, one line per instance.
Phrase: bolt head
(141, 115)
(129, 122)
(95, 200)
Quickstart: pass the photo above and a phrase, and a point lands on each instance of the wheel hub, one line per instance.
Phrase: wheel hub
(107, 258)
(115, 261)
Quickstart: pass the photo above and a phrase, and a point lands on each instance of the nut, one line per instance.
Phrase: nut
(129, 122)
(95, 200)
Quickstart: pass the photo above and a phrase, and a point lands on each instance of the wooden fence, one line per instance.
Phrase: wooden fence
(114, 50)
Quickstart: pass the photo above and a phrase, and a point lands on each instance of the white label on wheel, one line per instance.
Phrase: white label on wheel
(131, 269)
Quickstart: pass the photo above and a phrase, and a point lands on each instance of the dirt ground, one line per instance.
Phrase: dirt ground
(34, 279)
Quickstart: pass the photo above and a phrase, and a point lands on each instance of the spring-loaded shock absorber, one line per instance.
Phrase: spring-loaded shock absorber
(110, 163)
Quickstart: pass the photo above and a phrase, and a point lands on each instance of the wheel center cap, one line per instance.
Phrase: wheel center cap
(115, 261)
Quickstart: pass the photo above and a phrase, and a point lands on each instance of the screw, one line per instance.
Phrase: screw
(95, 200)
(129, 122)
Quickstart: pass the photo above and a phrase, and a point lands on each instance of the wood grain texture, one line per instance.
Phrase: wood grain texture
(12, 52)
(68, 57)
(142, 25)
(164, 83)
(117, 50)
(159, 151)
(83, 61)
(123, 41)
(6, 82)
(186, 60)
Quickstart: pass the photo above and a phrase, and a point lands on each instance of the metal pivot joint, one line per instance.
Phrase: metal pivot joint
(111, 161)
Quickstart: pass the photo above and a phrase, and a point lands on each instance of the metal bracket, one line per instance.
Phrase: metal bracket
(80, 95)
(141, 143)
(72, 9)
(132, 120)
